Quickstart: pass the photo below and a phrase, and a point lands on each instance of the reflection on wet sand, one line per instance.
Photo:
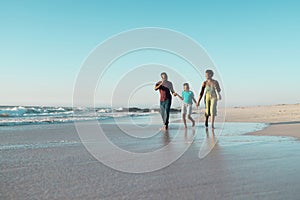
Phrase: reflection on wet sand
(239, 167)
(166, 138)
(190, 139)
(208, 143)
(186, 138)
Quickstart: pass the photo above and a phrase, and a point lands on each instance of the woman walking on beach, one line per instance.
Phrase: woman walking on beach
(212, 89)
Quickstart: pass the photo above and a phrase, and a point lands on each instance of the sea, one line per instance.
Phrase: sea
(28, 115)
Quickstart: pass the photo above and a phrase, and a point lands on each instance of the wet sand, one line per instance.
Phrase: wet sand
(50, 162)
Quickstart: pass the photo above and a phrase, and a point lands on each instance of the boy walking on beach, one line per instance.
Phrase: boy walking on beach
(187, 98)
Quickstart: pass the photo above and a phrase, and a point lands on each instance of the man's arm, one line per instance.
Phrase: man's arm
(157, 85)
(180, 97)
(172, 89)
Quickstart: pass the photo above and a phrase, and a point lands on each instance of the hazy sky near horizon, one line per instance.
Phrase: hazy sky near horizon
(254, 44)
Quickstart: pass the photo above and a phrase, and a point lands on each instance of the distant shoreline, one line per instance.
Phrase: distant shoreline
(283, 119)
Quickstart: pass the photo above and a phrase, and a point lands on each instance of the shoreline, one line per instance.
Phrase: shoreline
(285, 129)
(282, 120)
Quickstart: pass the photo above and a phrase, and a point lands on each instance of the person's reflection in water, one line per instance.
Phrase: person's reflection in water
(212, 131)
(208, 143)
(189, 139)
(185, 135)
(166, 138)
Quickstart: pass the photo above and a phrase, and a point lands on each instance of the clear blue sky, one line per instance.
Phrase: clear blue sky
(254, 44)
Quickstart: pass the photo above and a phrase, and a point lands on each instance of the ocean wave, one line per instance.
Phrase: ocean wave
(33, 121)
(24, 115)
(15, 111)
(19, 111)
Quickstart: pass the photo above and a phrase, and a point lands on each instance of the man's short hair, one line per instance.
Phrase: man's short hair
(185, 84)
(163, 73)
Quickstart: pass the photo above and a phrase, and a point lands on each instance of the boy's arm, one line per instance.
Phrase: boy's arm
(194, 100)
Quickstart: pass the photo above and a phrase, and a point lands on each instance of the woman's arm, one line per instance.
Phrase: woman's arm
(201, 93)
(217, 86)
(218, 89)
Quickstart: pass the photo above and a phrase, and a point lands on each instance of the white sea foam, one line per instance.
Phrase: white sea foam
(23, 115)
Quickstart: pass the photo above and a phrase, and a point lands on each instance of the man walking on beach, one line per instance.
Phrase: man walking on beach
(165, 87)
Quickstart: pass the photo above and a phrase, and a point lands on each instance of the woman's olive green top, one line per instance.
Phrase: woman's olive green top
(210, 89)
(210, 97)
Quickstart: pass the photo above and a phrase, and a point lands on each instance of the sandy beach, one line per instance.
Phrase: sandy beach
(93, 94)
(50, 162)
(264, 114)
(283, 120)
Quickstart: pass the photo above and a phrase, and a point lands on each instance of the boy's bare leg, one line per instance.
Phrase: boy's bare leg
(192, 120)
(212, 121)
(184, 120)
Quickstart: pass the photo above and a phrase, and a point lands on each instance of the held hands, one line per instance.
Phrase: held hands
(180, 97)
